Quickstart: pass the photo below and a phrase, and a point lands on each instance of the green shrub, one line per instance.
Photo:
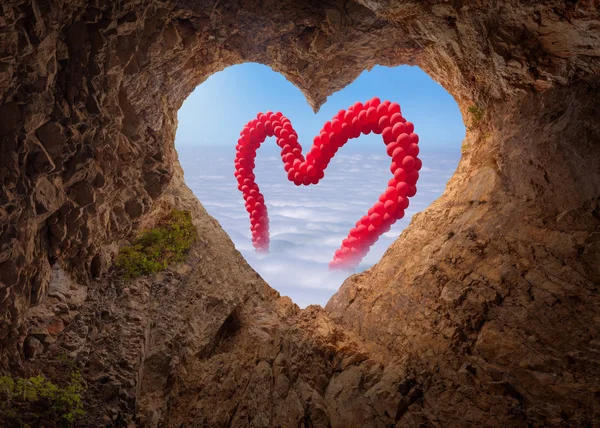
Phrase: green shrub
(37, 401)
(157, 248)
(477, 114)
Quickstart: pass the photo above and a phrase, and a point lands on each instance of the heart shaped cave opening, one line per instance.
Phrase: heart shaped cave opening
(483, 312)
(308, 223)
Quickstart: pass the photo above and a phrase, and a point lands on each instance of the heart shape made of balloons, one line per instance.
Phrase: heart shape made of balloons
(383, 118)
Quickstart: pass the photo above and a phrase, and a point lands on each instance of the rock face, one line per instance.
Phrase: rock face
(485, 312)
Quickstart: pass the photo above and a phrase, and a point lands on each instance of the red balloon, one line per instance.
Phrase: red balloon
(371, 115)
(387, 135)
(316, 151)
(390, 206)
(418, 164)
(336, 126)
(398, 155)
(269, 128)
(412, 191)
(346, 131)
(389, 218)
(362, 117)
(382, 110)
(334, 140)
(395, 118)
(400, 175)
(403, 201)
(412, 177)
(398, 129)
(413, 150)
(414, 138)
(391, 147)
(356, 127)
(384, 121)
(403, 140)
(391, 193)
(376, 219)
(349, 116)
(260, 128)
(394, 167)
(402, 188)
(394, 108)
(408, 163)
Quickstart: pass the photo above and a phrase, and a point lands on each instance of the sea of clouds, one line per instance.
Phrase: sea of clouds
(307, 223)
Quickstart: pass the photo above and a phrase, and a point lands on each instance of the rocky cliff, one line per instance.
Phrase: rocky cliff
(484, 312)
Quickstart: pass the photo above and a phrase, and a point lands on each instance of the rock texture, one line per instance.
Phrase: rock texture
(485, 312)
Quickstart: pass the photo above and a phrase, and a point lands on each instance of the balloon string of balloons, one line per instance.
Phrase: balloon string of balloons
(384, 118)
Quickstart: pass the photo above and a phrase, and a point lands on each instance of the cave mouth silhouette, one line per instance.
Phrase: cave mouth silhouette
(308, 223)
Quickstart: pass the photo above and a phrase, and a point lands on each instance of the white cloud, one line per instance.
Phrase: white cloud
(307, 223)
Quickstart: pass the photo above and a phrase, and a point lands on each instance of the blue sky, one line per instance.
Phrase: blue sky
(307, 224)
(217, 110)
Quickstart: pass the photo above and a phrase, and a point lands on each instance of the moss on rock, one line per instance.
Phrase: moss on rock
(157, 248)
(37, 401)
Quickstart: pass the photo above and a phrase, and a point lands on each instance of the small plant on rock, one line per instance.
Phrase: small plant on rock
(477, 114)
(36, 401)
(157, 248)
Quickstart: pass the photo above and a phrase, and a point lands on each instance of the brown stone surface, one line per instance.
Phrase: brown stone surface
(485, 312)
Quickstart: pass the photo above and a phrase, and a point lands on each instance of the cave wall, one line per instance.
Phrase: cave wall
(499, 296)
(487, 302)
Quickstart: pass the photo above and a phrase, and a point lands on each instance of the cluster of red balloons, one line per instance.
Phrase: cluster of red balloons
(384, 118)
